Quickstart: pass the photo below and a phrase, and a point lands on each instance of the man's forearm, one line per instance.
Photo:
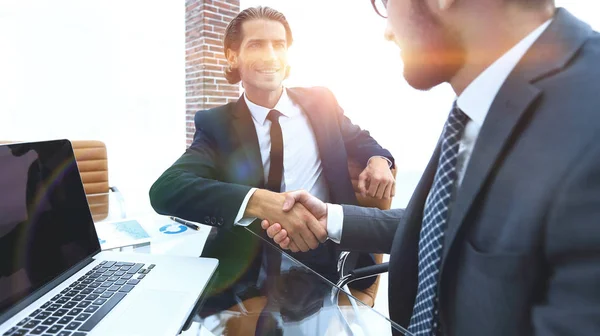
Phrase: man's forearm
(359, 144)
(184, 194)
(369, 229)
(263, 203)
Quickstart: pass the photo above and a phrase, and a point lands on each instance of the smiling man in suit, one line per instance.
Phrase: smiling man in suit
(273, 139)
(502, 234)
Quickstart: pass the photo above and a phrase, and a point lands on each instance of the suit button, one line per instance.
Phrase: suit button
(220, 222)
(213, 221)
(206, 220)
(435, 312)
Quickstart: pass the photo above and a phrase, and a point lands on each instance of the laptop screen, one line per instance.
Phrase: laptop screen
(45, 222)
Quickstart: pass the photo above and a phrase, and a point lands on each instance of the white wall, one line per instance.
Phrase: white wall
(114, 71)
(108, 70)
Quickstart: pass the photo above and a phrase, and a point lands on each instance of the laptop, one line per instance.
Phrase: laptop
(55, 280)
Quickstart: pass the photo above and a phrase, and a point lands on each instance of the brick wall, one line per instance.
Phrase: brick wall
(205, 63)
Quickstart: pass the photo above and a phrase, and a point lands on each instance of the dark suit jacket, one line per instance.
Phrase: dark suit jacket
(522, 245)
(208, 183)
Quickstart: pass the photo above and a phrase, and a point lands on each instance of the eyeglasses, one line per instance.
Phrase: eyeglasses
(380, 7)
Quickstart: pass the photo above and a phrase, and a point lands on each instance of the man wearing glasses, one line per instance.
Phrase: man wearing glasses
(502, 234)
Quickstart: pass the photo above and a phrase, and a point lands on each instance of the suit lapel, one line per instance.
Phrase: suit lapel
(549, 54)
(321, 113)
(508, 108)
(248, 144)
(319, 120)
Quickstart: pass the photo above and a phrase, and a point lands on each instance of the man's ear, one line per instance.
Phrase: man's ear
(231, 57)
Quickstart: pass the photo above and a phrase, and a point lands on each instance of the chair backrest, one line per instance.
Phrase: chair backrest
(367, 295)
(92, 161)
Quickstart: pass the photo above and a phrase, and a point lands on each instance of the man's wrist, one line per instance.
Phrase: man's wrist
(239, 218)
(381, 158)
(261, 200)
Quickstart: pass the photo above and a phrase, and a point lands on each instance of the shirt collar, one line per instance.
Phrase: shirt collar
(284, 105)
(476, 99)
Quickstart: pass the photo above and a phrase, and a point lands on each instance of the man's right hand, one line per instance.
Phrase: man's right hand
(304, 230)
(293, 199)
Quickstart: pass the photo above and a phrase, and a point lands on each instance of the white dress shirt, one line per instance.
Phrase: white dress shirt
(475, 102)
(301, 161)
(302, 167)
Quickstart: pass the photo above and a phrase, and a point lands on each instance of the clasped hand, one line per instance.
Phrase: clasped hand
(306, 225)
(303, 221)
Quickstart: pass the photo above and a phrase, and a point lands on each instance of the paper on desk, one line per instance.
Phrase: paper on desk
(121, 233)
(164, 227)
(168, 237)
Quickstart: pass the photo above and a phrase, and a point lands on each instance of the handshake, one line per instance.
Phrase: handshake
(296, 220)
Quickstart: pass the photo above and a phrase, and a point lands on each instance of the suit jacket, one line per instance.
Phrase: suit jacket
(521, 253)
(208, 183)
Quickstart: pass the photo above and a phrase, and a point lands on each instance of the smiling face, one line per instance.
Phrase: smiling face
(262, 58)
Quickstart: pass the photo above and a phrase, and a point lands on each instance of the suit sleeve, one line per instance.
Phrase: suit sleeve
(369, 229)
(189, 189)
(359, 144)
(572, 247)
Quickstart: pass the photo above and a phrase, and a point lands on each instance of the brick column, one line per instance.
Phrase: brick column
(206, 87)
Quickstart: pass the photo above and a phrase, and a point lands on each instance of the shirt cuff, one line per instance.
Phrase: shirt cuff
(244, 221)
(390, 164)
(335, 222)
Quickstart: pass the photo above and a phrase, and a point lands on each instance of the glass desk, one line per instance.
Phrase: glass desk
(300, 302)
(166, 236)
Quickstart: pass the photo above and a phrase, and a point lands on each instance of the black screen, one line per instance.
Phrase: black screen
(45, 222)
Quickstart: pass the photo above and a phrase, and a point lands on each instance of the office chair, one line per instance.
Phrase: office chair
(92, 161)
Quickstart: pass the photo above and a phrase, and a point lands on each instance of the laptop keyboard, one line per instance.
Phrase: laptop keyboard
(79, 308)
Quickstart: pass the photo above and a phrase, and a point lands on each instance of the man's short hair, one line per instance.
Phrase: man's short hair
(234, 34)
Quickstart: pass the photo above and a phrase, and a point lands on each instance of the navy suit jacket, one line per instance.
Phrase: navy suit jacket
(209, 181)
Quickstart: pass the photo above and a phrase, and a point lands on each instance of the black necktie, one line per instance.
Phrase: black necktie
(276, 170)
(274, 184)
